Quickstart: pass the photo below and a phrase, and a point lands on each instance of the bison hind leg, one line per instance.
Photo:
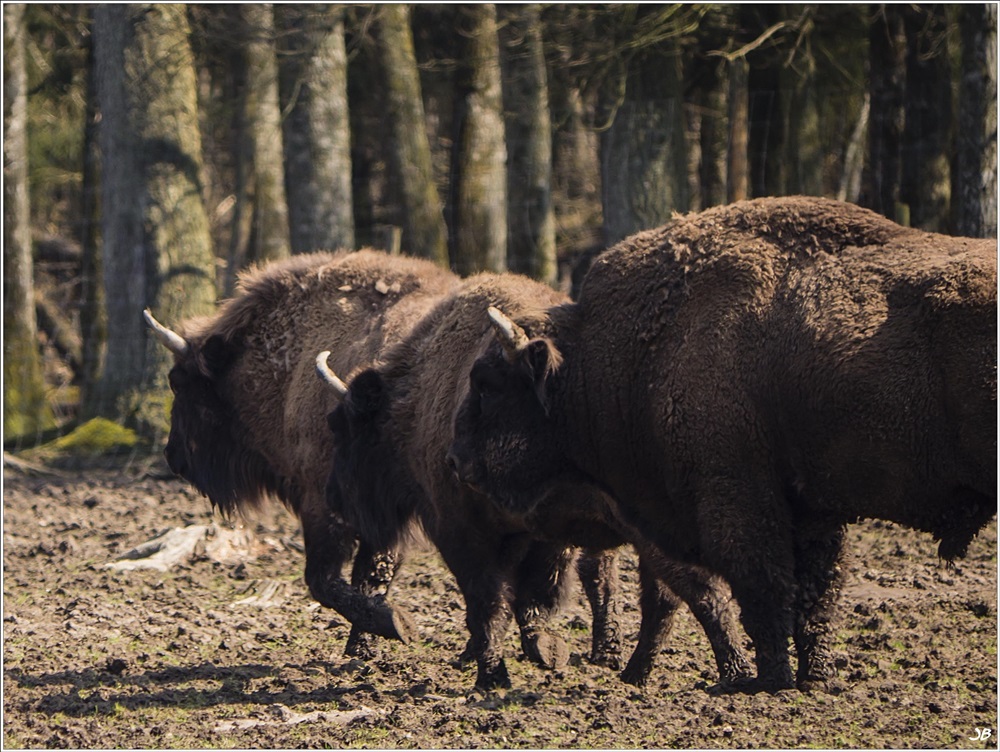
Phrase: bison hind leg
(598, 571)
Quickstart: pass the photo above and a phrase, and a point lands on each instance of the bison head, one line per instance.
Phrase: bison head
(369, 485)
(206, 445)
(504, 437)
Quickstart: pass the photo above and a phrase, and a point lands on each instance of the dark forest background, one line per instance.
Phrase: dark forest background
(152, 151)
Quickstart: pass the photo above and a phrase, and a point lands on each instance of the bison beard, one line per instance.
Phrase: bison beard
(248, 414)
(391, 435)
(746, 381)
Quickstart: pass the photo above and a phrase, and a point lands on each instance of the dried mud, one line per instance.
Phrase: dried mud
(235, 654)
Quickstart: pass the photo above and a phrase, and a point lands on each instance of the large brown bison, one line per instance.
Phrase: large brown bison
(390, 467)
(745, 381)
(248, 417)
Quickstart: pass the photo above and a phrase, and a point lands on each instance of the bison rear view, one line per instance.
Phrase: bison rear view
(745, 382)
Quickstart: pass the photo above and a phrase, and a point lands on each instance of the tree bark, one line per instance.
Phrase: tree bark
(424, 230)
(531, 227)
(157, 245)
(265, 236)
(312, 77)
(887, 51)
(480, 236)
(974, 198)
(927, 133)
(93, 320)
(737, 165)
(644, 162)
(25, 409)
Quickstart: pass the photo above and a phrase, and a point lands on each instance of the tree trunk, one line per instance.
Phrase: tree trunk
(713, 136)
(262, 120)
(531, 227)
(157, 248)
(312, 76)
(93, 321)
(974, 199)
(25, 409)
(424, 231)
(887, 50)
(644, 163)
(737, 165)
(927, 133)
(480, 236)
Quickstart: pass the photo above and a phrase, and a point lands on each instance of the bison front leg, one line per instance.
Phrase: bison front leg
(329, 545)
(540, 586)
(658, 604)
(713, 607)
(748, 543)
(372, 574)
(819, 573)
(484, 585)
(598, 571)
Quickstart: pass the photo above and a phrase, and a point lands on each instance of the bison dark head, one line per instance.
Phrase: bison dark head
(505, 441)
(370, 486)
(206, 445)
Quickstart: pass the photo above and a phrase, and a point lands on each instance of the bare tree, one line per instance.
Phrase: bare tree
(480, 184)
(974, 198)
(531, 226)
(260, 226)
(25, 409)
(927, 132)
(887, 49)
(312, 76)
(157, 248)
(424, 230)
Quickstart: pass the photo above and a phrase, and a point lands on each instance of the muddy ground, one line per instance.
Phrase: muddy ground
(231, 652)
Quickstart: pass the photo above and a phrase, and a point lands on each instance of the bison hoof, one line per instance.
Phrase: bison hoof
(360, 645)
(495, 678)
(637, 672)
(545, 649)
(608, 655)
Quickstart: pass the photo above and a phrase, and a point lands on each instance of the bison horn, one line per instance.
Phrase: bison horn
(512, 337)
(168, 338)
(327, 375)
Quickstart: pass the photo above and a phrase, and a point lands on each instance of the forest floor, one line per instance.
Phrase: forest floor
(226, 649)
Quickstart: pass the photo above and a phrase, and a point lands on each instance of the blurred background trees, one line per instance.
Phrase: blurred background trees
(153, 151)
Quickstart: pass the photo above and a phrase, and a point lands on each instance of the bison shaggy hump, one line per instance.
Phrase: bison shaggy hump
(747, 380)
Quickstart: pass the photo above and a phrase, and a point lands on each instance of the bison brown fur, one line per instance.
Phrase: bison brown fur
(248, 417)
(390, 467)
(746, 381)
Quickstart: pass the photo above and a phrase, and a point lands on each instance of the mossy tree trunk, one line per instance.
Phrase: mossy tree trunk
(422, 217)
(531, 224)
(157, 248)
(974, 198)
(25, 409)
(312, 78)
(480, 216)
(262, 234)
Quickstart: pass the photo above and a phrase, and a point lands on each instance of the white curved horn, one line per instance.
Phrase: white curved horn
(327, 375)
(512, 337)
(168, 338)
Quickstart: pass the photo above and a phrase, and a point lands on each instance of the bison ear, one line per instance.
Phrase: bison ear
(541, 358)
(216, 355)
(367, 393)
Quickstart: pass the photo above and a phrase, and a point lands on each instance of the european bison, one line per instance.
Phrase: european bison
(745, 381)
(248, 418)
(390, 467)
